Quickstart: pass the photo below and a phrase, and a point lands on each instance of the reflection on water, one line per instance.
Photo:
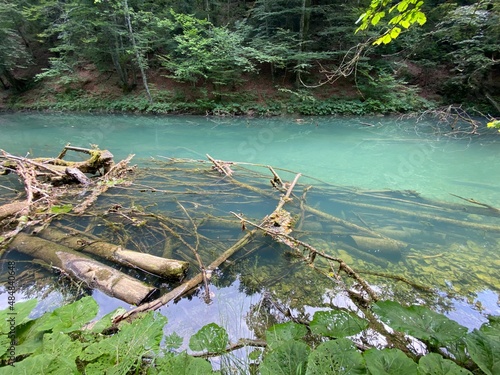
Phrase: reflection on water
(380, 200)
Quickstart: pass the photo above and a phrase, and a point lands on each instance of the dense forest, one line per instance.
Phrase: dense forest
(312, 57)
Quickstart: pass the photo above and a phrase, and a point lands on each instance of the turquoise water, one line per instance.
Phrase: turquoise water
(344, 151)
(365, 154)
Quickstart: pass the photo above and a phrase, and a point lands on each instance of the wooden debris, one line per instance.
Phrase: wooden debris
(80, 267)
(166, 268)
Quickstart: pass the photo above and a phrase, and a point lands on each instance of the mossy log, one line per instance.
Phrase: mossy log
(80, 267)
(166, 268)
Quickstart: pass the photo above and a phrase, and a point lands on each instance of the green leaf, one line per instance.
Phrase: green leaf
(395, 32)
(421, 18)
(19, 313)
(420, 322)
(211, 338)
(61, 209)
(288, 358)
(337, 323)
(376, 18)
(336, 357)
(39, 364)
(389, 362)
(403, 5)
(484, 349)
(433, 363)
(280, 333)
(173, 341)
(69, 318)
(184, 364)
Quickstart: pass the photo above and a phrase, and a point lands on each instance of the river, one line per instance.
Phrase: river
(369, 154)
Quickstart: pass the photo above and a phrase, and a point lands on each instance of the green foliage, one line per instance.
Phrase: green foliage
(404, 14)
(210, 338)
(389, 362)
(336, 357)
(433, 363)
(135, 347)
(337, 323)
(420, 322)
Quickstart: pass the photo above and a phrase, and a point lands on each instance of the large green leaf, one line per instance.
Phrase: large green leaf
(283, 332)
(40, 364)
(19, 313)
(70, 317)
(336, 357)
(286, 359)
(120, 353)
(433, 363)
(420, 322)
(389, 362)
(211, 338)
(337, 323)
(483, 346)
(183, 364)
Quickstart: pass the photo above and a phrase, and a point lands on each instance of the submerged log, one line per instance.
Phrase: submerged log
(80, 267)
(13, 208)
(167, 268)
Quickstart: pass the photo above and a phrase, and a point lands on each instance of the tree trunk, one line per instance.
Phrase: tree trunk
(139, 58)
(80, 267)
(167, 268)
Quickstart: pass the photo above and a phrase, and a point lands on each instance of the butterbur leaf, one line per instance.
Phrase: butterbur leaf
(288, 358)
(389, 362)
(20, 311)
(173, 341)
(433, 363)
(184, 364)
(211, 338)
(420, 322)
(336, 357)
(337, 323)
(39, 364)
(69, 318)
(280, 333)
(484, 349)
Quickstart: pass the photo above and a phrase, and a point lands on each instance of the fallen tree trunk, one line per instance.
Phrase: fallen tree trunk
(95, 274)
(189, 284)
(167, 268)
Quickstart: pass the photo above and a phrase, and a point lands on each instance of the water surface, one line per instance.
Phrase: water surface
(340, 157)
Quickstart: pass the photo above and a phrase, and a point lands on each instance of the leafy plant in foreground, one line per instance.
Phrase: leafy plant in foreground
(326, 345)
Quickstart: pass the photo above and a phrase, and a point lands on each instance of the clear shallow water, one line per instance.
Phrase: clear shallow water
(386, 154)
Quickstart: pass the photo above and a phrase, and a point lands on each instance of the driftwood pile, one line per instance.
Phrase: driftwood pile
(50, 180)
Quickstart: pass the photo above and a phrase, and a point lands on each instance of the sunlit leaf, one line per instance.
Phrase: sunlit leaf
(211, 338)
(337, 323)
(19, 314)
(61, 209)
(336, 357)
(70, 317)
(389, 362)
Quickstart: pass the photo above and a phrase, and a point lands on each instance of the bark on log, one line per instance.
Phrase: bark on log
(97, 275)
(167, 268)
(12, 208)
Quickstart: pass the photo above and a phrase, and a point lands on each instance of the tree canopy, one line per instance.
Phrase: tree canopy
(394, 45)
